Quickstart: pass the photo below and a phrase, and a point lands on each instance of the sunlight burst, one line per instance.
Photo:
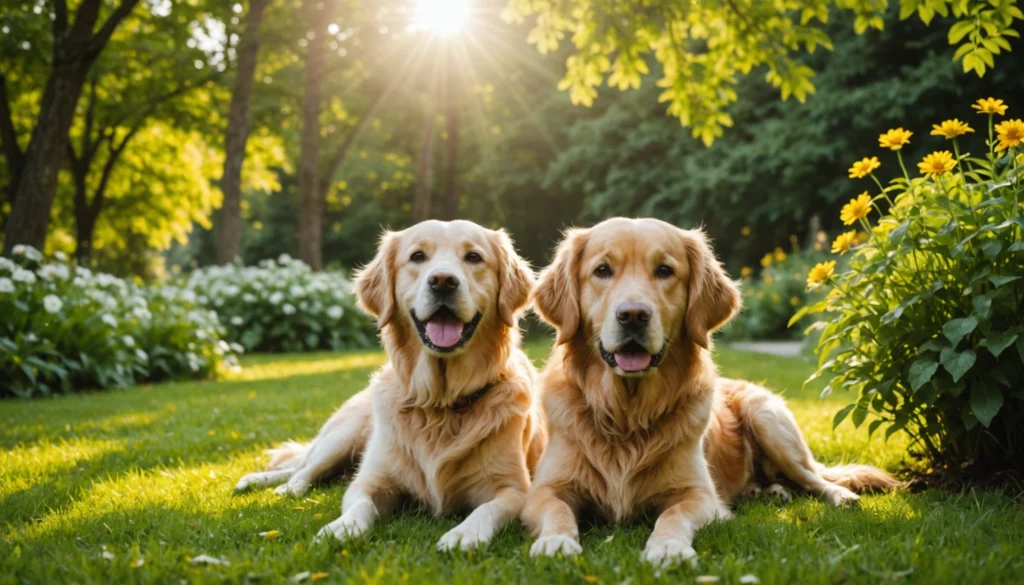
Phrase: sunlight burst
(442, 16)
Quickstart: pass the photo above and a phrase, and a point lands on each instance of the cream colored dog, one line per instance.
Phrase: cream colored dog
(450, 420)
(630, 391)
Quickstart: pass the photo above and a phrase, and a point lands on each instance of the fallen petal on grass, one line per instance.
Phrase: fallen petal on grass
(270, 534)
(208, 560)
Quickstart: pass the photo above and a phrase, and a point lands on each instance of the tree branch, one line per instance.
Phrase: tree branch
(99, 40)
(60, 21)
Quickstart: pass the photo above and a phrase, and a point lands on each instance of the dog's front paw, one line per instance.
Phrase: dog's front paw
(778, 491)
(296, 487)
(549, 546)
(348, 527)
(668, 551)
(463, 537)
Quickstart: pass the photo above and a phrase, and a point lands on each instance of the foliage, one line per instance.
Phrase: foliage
(282, 305)
(66, 328)
(772, 297)
(705, 48)
(925, 326)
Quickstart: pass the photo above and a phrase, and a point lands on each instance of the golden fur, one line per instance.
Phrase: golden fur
(623, 443)
(414, 438)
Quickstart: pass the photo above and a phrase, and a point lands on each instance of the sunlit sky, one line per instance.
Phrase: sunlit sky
(441, 16)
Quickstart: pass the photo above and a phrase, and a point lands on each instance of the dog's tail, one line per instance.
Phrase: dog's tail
(859, 478)
(290, 454)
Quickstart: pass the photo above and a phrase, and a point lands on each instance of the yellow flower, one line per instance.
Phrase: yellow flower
(776, 298)
(864, 167)
(951, 128)
(856, 209)
(1009, 134)
(270, 534)
(937, 163)
(844, 242)
(895, 139)
(746, 230)
(822, 272)
(990, 106)
(766, 260)
(794, 301)
(768, 279)
(746, 271)
(318, 577)
(780, 255)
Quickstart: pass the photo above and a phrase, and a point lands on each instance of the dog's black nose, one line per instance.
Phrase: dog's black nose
(443, 282)
(633, 314)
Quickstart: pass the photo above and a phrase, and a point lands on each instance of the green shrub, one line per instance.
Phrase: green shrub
(64, 328)
(926, 325)
(282, 305)
(771, 298)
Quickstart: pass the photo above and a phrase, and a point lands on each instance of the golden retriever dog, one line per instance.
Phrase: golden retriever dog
(638, 418)
(450, 420)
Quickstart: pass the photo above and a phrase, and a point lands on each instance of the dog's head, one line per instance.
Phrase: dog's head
(630, 287)
(443, 279)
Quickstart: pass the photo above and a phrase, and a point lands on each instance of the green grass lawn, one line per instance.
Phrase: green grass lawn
(130, 486)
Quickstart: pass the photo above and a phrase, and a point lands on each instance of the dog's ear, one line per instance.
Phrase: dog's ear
(713, 298)
(375, 283)
(515, 279)
(557, 296)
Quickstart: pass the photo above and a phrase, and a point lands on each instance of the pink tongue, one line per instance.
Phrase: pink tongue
(633, 362)
(444, 330)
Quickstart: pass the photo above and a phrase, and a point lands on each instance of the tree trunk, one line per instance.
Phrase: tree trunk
(425, 167)
(85, 225)
(34, 195)
(311, 206)
(9, 140)
(449, 193)
(75, 50)
(229, 229)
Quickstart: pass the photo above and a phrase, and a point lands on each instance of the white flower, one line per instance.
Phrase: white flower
(128, 340)
(28, 252)
(22, 275)
(249, 298)
(142, 314)
(51, 271)
(143, 357)
(6, 286)
(6, 264)
(296, 290)
(335, 312)
(60, 256)
(52, 303)
(194, 362)
(287, 309)
(109, 319)
(284, 258)
(276, 298)
(236, 320)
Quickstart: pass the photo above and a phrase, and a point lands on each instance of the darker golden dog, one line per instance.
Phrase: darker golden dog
(638, 418)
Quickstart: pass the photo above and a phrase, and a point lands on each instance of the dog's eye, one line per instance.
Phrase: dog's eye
(603, 271)
(664, 271)
(417, 257)
(473, 258)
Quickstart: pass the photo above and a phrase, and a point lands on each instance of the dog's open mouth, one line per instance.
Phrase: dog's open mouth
(632, 357)
(443, 331)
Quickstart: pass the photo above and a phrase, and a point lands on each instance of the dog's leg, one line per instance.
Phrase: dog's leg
(263, 479)
(365, 500)
(339, 443)
(480, 526)
(686, 512)
(779, 437)
(551, 518)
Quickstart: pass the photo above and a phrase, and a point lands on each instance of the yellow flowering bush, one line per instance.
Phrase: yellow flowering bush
(926, 325)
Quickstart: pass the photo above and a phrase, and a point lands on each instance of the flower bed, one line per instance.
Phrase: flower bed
(66, 328)
(282, 305)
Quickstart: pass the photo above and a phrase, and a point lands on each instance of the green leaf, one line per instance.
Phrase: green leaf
(991, 248)
(859, 414)
(957, 329)
(997, 342)
(982, 305)
(986, 401)
(842, 414)
(921, 372)
(958, 364)
(1000, 280)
